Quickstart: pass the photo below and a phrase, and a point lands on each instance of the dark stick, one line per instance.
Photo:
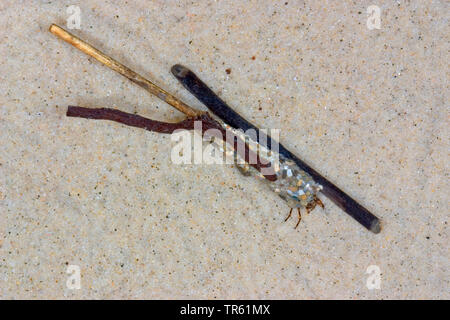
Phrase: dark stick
(217, 106)
(135, 120)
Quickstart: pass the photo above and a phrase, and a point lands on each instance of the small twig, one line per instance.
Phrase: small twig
(129, 119)
(123, 70)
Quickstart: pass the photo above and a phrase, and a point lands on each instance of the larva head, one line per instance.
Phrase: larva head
(305, 194)
(311, 205)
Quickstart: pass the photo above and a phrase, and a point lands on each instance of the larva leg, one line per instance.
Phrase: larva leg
(319, 202)
(244, 169)
(299, 218)
(290, 212)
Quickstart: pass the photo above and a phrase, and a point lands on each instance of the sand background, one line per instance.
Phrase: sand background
(367, 108)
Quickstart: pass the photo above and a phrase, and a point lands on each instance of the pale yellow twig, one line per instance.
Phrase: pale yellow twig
(123, 70)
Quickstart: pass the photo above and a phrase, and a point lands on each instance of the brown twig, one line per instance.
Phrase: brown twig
(207, 122)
